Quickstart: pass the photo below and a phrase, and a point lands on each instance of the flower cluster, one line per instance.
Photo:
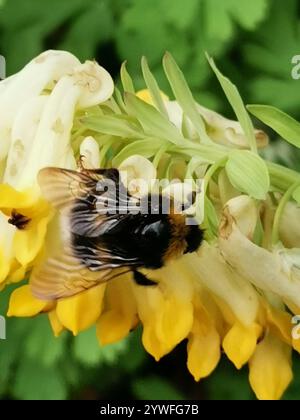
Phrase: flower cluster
(238, 293)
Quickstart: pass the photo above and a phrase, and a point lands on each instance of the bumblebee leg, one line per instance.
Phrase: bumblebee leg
(142, 280)
(80, 163)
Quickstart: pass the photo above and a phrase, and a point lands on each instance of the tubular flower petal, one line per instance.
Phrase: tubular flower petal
(79, 312)
(28, 238)
(89, 152)
(240, 342)
(165, 311)
(56, 325)
(56, 85)
(289, 229)
(270, 368)
(229, 132)
(38, 75)
(269, 272)
(221, 130)
(278, 320)
(138, 175)
(219, 277)
(23, 303)
(119, 315)
(204, 344)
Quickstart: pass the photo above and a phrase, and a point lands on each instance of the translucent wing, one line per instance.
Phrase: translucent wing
(89, 203)
(62, 275)
(87, 198)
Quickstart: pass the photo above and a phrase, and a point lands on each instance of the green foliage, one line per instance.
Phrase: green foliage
(237, 105)
(262, 34)
(287, 127)
(88, 352)
(155, 388)
(221, 26)
(117, 30)
(248, 173)
(269, 53)
(34, 381)
(218, 385)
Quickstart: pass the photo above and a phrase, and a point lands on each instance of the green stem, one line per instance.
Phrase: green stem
(77, 138)
(220, 163)
(284, 200)
(211, 153)
(281, 177)
(159, 155)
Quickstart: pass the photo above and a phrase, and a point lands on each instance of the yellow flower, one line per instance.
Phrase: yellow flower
(231, 295)
(270, 368)
(23, 303)
(163, 307)
(75, 313)
(204, 339)
(38, 125)
(119, 315)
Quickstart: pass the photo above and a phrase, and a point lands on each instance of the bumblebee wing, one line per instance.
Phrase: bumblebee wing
(51, 281)
(61, 187)
(63, 274)
(88, 198)
(79, 260)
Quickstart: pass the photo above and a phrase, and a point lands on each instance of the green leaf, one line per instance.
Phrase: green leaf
(181, 15)
(237, 104)
(88, 351)
(184, 95)
(155, 388)
(82, 42)
(41, 345)
(33, 21)
(135, 355)
(248, 173)
(86, 347)
(281, 93)
(71, 371)
(33, 381)
(220, 16)
(146, 148)
(211, 220)
(153, 87)
(114, 125)
(216, 386)
(268, 54)
(111, 353)
(119, 100)
(152, 27)
(287, 127)
(296, 195)
(126, 79)
(153, 122)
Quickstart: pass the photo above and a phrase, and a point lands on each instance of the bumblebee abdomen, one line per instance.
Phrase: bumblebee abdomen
(143, 237)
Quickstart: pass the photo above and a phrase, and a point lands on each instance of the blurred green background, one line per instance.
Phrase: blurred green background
(253, 42)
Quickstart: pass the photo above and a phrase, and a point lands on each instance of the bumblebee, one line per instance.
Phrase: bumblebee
(105, 232)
